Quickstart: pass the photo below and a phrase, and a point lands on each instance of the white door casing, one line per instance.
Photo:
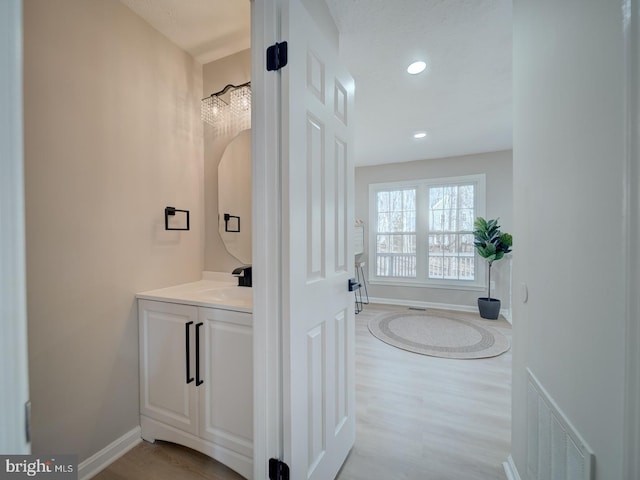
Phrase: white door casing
(631, 458)
(14, 377)
(317, 232)
(266, 240)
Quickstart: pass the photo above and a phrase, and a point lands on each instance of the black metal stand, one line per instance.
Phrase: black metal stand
(361, 280)
(354, 286)
(359, 304)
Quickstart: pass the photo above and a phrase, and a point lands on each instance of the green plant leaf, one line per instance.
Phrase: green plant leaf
(480, 224)
(506, 239)
(491, 244)
(487, 251)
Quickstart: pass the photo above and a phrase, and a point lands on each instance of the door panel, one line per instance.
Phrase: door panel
(342, 411)
(341, 198)
(315, 199)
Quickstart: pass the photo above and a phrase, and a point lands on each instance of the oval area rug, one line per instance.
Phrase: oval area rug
(439, 334)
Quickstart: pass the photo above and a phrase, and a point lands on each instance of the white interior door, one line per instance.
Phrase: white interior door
(317, 233)
(14, 379)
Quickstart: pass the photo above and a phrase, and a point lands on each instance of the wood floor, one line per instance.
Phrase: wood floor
(428, 418)
(418, 418)
(166, 461)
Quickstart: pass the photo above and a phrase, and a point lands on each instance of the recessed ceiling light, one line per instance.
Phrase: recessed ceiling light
(416, 67)
(419, 134)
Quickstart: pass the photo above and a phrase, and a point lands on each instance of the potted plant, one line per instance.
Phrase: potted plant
(491, 245)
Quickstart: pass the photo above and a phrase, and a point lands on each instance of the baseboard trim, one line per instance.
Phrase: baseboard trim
(505, 312)
(109, 454)
(419, 304)
(510, 469)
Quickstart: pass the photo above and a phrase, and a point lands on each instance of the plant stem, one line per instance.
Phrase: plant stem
(489, 286)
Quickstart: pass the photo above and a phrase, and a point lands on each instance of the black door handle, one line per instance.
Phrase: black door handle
(188, 350)
(353, 284)
(198, 380)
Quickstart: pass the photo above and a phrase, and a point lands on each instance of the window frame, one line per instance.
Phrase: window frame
(422, 232)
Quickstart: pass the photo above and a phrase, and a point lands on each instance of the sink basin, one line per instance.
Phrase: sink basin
(225, 294)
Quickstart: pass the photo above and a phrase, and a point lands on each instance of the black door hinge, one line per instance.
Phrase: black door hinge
(278, 470)
(276, 56)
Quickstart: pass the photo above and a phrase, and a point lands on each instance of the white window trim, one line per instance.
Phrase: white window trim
(480, 282)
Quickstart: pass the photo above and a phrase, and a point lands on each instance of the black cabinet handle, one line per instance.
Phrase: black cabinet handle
(198, 380)
(187, 349)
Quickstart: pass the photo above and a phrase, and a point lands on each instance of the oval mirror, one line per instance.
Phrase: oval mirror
(234, 197)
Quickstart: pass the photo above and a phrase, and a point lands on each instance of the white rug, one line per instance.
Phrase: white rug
(440, 333)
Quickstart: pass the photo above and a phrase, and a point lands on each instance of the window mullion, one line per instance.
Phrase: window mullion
(422, 231)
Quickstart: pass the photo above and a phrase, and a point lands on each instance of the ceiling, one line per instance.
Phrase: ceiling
(462, 100)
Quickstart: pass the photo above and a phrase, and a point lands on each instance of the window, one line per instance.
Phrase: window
(396, 233)
(451, 217)
(422, 231)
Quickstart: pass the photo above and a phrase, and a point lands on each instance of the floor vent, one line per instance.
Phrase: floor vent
(555, 449)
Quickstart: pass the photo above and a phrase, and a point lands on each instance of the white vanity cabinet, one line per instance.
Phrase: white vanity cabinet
(196, 380)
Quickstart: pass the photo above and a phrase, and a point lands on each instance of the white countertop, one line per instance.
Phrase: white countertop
(214, 290)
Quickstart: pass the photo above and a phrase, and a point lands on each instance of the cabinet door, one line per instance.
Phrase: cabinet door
(166, 394)
(226, 415)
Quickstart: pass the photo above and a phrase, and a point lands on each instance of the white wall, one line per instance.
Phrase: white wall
(112, 136)
(496, 166)
(569, 168)
(236, 70)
